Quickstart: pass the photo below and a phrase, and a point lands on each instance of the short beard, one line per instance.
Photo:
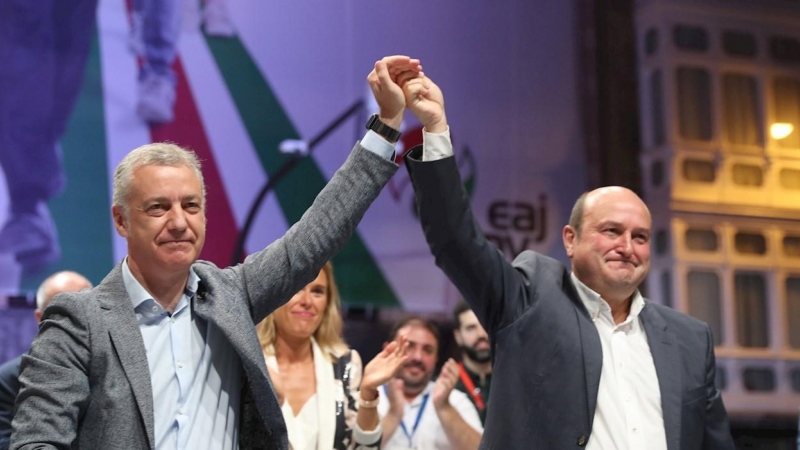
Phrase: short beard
(479, 356)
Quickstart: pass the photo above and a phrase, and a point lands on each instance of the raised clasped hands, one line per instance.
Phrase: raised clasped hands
(397, 82)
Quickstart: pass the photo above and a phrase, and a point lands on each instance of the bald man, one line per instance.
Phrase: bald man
(9, 372)
(581, 358)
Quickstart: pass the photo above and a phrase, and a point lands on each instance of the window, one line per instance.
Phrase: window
(790, 179)
(740, 106)
(694, 103)
(657, 173)
(747, 175)
(691, 38)
(699, 170)
(657, 105)
(651, 42)
(666, 288)
(791, 246)
(795, 376)
(738, 43)
(704, 300)
(750, 243)
(751, 309)
(661, 242)
(701, 240)
(793, 310)
(785, 49)
(786, 97)
(759, 379)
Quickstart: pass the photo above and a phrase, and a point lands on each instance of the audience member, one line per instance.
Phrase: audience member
(475, 369)
(318, 378)
(163, 353)
(420, 413)
(581, 358)
(57, 283)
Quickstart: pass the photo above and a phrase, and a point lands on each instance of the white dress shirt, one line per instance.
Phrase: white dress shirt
(628, 414)
(429, 434)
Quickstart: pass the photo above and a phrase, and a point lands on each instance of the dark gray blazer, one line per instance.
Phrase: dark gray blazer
(547, 352)
(86, 382)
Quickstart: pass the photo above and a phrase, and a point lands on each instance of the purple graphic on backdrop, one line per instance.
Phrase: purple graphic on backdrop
(43, 45)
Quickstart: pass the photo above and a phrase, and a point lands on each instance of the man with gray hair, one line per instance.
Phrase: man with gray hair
(57, 283)
(164, 353)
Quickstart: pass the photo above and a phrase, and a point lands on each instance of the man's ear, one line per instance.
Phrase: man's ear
(119, 221)
(568, 235)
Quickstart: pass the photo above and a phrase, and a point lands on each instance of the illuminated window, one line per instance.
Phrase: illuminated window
(791, 246)
(699, 170)
(750, 243)
(742, 122)
(704, 300)
(700, 240)
(750, 294)
(790, 179)
(694, 103)
(747, 175)
(786, 98)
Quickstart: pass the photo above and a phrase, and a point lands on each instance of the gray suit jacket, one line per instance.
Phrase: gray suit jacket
(86, 381)
(547, 352)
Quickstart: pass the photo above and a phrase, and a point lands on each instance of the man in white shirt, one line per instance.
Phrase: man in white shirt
(421, 414)
(581, 358)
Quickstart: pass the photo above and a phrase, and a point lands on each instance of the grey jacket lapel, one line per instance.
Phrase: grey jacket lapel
(667, 361)
(592, 349)
(129, 345)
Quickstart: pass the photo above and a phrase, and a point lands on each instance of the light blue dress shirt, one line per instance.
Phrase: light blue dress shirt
(194, 370)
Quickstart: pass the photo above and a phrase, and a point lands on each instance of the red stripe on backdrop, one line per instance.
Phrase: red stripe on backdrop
(187, 130)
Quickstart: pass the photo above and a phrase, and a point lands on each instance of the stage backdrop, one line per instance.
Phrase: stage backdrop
(509, 72)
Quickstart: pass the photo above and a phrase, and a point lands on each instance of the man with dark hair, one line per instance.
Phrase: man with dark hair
(57, 283)
(475, 369)
(418, 413)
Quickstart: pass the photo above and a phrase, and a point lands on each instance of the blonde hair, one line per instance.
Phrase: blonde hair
(329, 333)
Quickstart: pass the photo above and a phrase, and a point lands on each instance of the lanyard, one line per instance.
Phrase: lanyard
(410, 436)
(474, 392)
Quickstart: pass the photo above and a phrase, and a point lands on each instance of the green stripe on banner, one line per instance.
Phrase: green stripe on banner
(82, 212)
(357, 274)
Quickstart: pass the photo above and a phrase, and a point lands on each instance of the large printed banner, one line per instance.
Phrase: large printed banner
(281, 96)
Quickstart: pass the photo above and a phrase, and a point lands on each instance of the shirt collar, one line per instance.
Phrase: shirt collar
(595, 304)
(138, 294)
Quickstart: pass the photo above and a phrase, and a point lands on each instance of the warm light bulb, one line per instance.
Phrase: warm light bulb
(781, 130)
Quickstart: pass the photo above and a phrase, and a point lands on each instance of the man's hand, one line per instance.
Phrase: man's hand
(394, 393)
(386, 80)
(447, 380)
(383, 367)
(425, 100)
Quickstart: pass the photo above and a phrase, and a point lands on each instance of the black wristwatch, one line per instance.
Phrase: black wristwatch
(390, 134)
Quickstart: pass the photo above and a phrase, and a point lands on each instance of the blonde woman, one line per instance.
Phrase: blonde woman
(327, 403)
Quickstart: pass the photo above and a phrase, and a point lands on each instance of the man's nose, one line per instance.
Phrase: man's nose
(177, 219)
